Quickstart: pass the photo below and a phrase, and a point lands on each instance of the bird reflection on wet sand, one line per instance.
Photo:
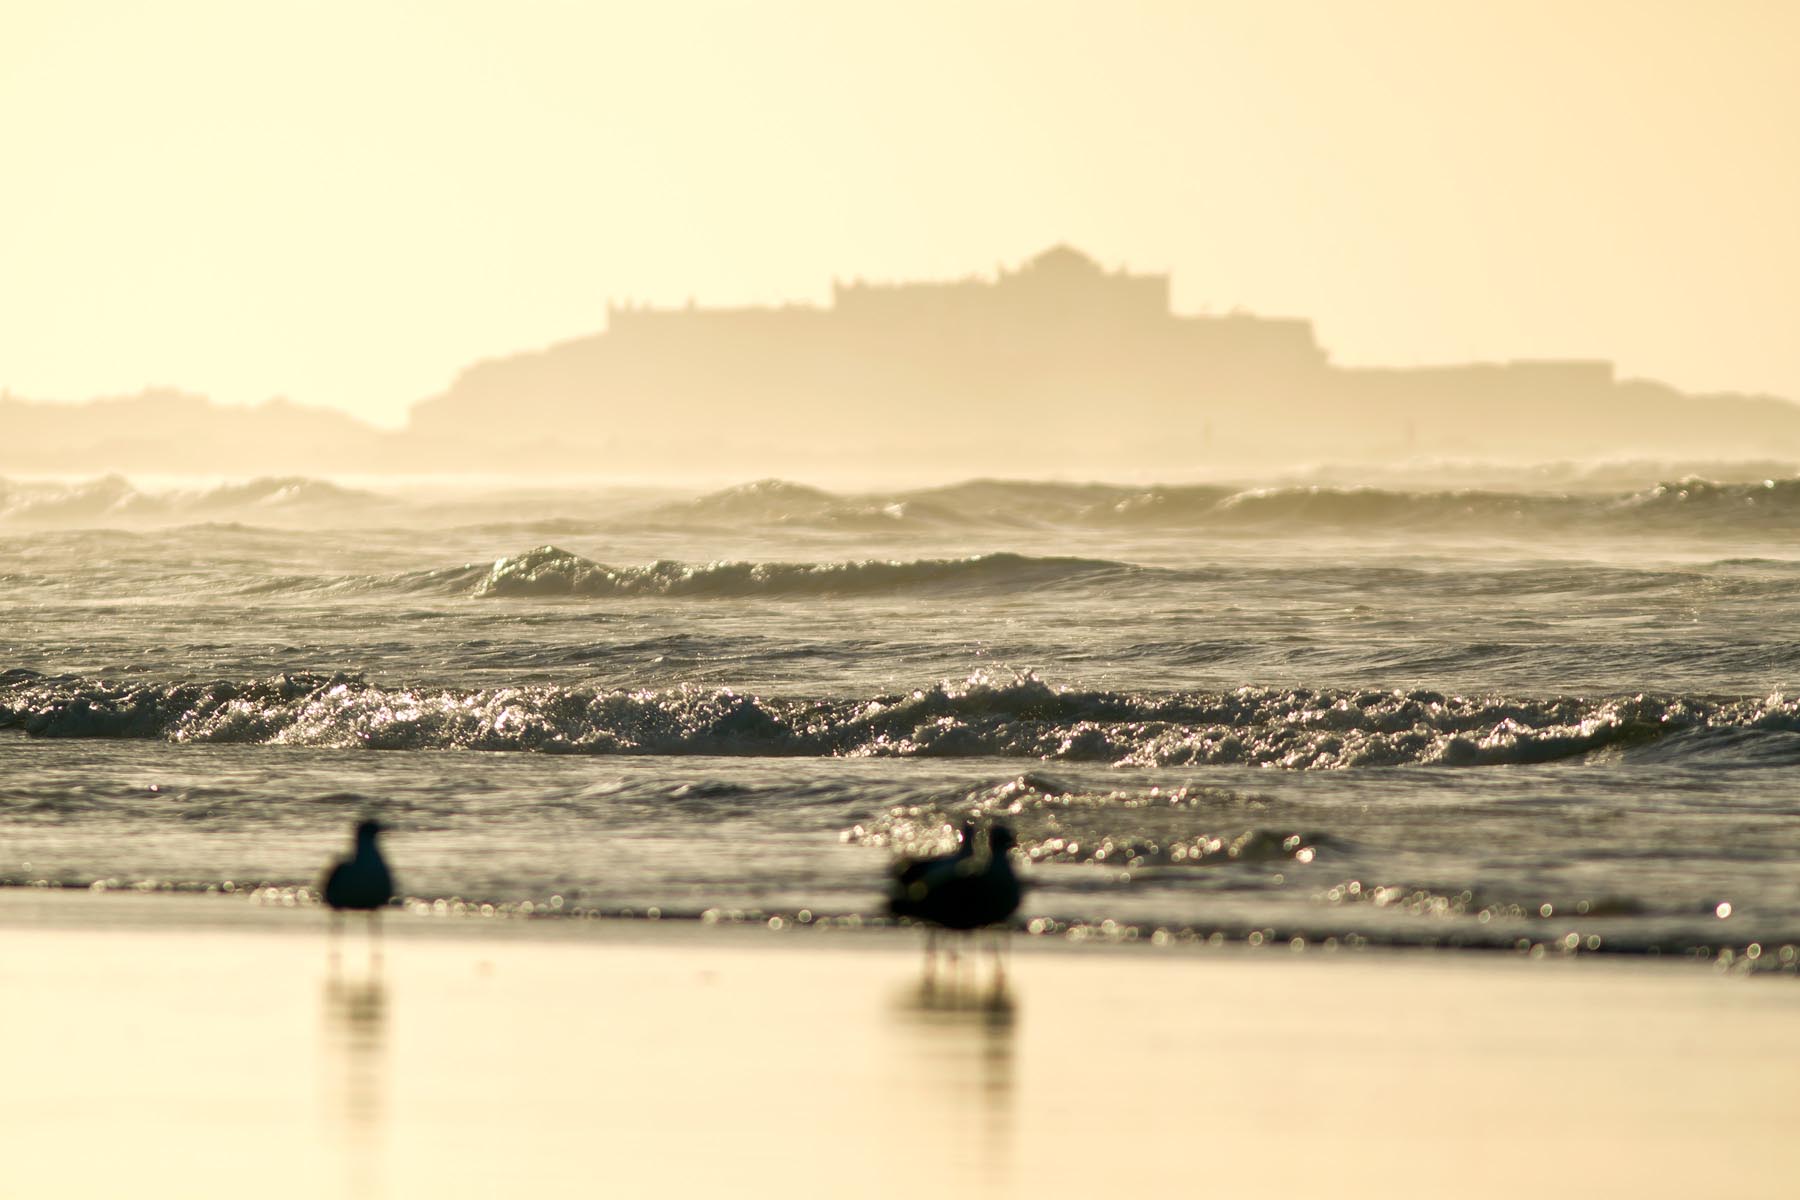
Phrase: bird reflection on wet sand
(356, 1033)
(961, 1034)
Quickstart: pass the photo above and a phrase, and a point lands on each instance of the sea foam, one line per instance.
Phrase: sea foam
(1295, 728)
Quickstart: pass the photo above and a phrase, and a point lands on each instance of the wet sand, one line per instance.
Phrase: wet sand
(161, 1046)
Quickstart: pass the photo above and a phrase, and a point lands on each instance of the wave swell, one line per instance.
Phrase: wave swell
(1688, 504)
(980, 717)
(549, 571)
(114, 500)
(1693, 503)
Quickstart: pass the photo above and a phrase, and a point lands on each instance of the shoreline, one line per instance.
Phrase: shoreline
(504, 1057)
(295, 910)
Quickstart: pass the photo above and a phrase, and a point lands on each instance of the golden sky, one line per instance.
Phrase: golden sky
(346, 202)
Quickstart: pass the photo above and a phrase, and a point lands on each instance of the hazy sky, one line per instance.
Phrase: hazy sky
(346, 202)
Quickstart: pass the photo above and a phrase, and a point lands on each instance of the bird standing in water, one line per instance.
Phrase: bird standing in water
(963, 892)
(362, 882)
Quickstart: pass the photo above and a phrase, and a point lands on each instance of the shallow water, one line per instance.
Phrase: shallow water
(1557, 718)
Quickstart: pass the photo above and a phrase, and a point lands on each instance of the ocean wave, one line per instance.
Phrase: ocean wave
(1690, 502)
(1058, 822)
(114, 500)
(981, 502)
(550, 571)
(1692, 505)
(1025, 717)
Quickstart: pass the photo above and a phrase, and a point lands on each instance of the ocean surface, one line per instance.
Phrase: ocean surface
(1546, 711)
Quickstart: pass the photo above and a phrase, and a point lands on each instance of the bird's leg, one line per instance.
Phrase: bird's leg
(931, 955)
(375, 939)
(334, 931)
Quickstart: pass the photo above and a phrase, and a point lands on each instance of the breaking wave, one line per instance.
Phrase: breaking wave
(549, 571)
(1692, 505)
(1057, 821)
(980, 717)
(1692, 502)
(113, 500)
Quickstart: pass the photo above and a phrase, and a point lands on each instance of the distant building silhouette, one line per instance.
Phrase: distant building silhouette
(1062, 361)
(1058, 366)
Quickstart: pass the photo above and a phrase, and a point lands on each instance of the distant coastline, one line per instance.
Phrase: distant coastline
(1057, 366)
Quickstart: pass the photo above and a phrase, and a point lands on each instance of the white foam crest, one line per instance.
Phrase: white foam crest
(982, 716)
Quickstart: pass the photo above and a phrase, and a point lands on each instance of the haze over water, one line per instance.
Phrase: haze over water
(1411, 714)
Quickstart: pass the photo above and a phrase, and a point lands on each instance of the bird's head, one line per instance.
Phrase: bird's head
(367, 829)
(1001, 839)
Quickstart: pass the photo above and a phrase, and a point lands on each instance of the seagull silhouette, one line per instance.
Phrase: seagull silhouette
(362, 882)
(964, 891)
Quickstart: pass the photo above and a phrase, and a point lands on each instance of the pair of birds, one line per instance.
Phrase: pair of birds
(967, 889)
(971, 887)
